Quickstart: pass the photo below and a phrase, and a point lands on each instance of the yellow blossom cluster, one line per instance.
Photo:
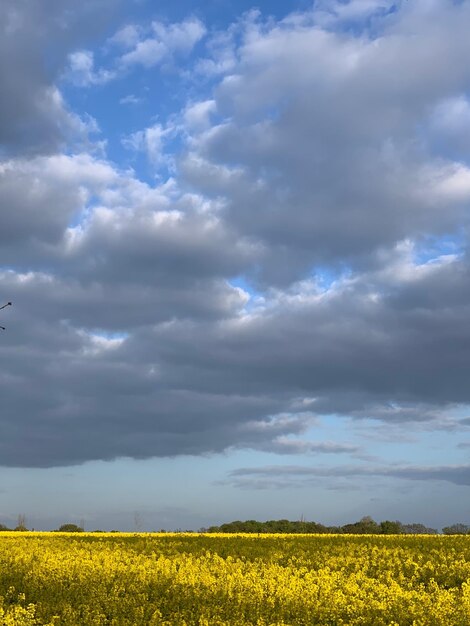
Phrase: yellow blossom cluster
(85, 579)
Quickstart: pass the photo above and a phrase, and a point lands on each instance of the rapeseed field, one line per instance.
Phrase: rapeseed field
(238, 580)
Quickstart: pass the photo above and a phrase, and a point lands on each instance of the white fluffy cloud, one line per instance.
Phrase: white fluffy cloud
(146, 47)
(82, 72)
(165, 42)
(323, 131)
(151, 141)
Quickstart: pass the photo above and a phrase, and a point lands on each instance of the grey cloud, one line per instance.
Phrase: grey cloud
(283, 445)
(34, 39)
(136, 231)
(127, 338)
(91, 406)
(399, 414)
(144, 246)
(274, 435)
(320, 130)
(116, 307)
(40, 197)
(449, 128)
(195, 384)
(141, 256)
(293, 475)
(346, 344)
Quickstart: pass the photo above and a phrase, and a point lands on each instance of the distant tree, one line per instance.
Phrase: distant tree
(456, 529)
(391, 528)
(3, 527)
(70, 528)
(249, 526)
(252, 526)
(365, 526)
(137, 522)
(21, 523)
(418, 529)
(271, 526)
(284, 526)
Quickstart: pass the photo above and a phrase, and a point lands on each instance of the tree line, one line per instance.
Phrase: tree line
(366, 525)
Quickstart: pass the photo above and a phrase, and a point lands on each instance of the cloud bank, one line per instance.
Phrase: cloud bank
(305, 256)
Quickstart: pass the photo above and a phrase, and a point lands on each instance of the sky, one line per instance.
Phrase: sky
(236, 239)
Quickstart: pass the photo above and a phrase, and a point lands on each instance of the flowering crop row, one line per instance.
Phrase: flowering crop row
(221, 580)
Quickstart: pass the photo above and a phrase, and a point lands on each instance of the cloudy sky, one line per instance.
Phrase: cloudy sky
(235, 237)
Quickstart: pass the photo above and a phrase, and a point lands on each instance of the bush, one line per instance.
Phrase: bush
(70, 528)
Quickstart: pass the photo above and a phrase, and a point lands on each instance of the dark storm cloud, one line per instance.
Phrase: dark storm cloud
(117, 307)
(88, 401)
(201, 386)
(129, 336)
(351, 349)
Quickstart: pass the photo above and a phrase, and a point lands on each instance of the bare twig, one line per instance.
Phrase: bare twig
(2, 307)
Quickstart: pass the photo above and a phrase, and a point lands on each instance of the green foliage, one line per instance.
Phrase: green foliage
(456, 529)
(390, 528)
(271, 526)
(418, 529)
(365, 526)
(70, 528)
